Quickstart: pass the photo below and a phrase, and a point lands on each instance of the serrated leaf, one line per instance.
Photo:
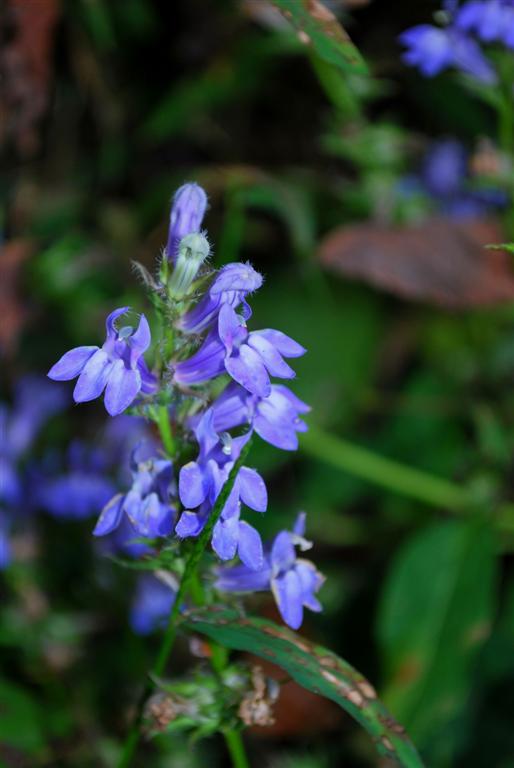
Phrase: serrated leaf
(312, 666)
(318, 27)
(435, 615)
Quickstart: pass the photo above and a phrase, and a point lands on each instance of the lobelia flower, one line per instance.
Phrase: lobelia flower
(187, 212)
(433, 50)
(35, 401)
(200, 483)
(148, 505)
(293, 581)
(491, 20)
(153, 601)
(249, 358)
(276, 418)
(230, 286)
(118, 367)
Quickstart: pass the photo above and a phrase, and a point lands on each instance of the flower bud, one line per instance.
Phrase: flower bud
(192, 252)
(187, 212)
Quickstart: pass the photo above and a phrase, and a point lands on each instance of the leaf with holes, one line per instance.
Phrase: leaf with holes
(312, 666)
(318, 27)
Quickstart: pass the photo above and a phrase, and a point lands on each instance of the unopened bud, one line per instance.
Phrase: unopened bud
(192, 252)
(187, 212)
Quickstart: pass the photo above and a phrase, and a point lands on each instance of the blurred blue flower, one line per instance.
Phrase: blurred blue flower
(490, 20)
(118, 367)
(230, 286)
(152, 602)
(293, 581)
(35, 402)
(187, 212)
(433, 50)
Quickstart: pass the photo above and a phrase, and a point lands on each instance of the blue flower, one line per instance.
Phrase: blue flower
(276, 418)
(117, 367)
(433, 50)
(491, 20)
(231, 286)
(187, 212)
(249, 358)
(152, 602)
(200, 483)
(148, 504)
(5, 547)
(445, 168)
(293, 581)
(77, 494)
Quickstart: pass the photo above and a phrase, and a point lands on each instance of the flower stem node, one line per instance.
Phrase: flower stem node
(193, 250)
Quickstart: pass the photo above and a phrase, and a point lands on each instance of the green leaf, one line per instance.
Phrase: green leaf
(20, 719)
(312, 666)
(435, 615)
(509, 247)
(319, 28)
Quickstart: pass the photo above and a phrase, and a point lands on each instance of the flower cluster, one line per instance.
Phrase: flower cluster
(433, 49)
(213, 389)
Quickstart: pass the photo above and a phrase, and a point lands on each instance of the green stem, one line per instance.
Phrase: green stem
(389, 474)
(236, 748)
(163, 423)
(170, 633)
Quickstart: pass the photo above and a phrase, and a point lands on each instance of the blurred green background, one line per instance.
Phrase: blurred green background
(406, 471)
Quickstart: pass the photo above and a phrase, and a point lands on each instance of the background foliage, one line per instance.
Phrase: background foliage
(406, 471)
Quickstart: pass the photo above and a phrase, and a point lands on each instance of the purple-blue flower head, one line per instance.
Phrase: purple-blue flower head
(200, 483)
(249, 358)
(276, 418)
(293, 581)
(445, 168)
(187, 212)
(433, 50)
(230, 286)
(118, 367)
(148, 504)
(152, 602)
(490, 20)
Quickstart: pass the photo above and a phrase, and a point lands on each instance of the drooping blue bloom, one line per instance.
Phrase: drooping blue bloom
(230, 286)
(276, 418)
(490, 20)
(77, 494)
(152, 602)
(148, 505)
(200, 483)
(187, 212)
(249, 358)
(118, 367)
(293, 581)
(433, 50)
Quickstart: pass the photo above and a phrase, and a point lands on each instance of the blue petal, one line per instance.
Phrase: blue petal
(252, 489)
(285, 345)
(110, 516)
(71, 364)
(123, 386)
(287, 590)
(229, 326)
(91, 382)
(250, 547)
(192, 485)
(243, 579)
(140, 340)
(225, 538)
(248, 370)
(190, 524)
(112, 333)
(270, 356)
(283, 553)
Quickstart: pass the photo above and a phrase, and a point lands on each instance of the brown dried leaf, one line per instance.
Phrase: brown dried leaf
(12, 310)
(441, 261)
(25, 68)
